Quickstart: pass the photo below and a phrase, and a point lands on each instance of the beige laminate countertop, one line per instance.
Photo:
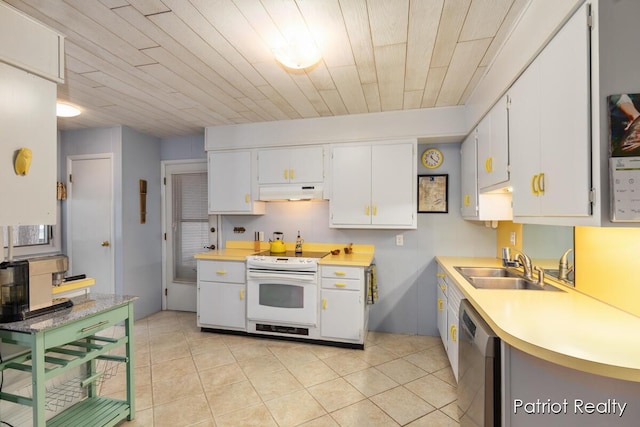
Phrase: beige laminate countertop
(228, 254)
(566, 328)
(353, 259)
(239, 250)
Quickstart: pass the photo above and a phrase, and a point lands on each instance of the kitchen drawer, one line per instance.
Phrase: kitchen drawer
(222, 271)
(347, 284)
(85, 327)
(340, 272)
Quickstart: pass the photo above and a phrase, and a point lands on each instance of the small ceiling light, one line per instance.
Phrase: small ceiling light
(298, 52)
(66, 110)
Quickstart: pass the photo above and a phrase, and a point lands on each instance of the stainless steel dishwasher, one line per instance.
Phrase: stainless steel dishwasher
(479, 370)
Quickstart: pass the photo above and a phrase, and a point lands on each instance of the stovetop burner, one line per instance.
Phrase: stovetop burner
(292, 254)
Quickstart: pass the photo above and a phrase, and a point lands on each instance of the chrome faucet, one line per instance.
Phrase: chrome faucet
(563, 266)
(520, 259)
(540, 271)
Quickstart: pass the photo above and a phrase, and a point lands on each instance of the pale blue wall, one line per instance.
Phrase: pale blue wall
(137, 247)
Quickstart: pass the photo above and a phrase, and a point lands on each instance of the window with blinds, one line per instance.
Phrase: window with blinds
(190, 223)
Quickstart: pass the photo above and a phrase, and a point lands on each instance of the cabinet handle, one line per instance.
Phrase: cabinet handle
(246, 198)
(221, 272)
(366, 210)
(292, 174)
(339, 273)
(453, 332)
(467, 200)
(375, 210)
(488, 164)
(443, 288)
(324, 303)
(534, 188)
(96, 326)
(440, 304)
(541, 183)
(241, 294)
(286, 174)
(441, 275)
(339, 285)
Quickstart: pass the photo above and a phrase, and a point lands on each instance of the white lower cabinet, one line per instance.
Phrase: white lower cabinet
(448, 305)
(222, 295)
(343, 308)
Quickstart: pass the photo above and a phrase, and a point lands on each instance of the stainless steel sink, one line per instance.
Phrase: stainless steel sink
(500, 278)
(508, 283)
(485, 272)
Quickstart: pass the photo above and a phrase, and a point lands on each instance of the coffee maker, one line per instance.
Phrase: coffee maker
(26, 287)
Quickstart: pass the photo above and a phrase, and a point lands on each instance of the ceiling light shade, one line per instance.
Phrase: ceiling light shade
(299, 53)
(66, 110)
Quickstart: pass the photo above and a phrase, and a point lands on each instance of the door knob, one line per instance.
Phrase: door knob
(105, 243)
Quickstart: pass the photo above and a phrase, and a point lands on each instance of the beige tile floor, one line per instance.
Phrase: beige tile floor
(185, 377)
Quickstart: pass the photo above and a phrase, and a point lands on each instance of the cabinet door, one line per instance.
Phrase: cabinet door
(27, 119)
(493, 146)
(273, 166)
(469, 185)
(222, 305)
(351, 182)
(442, 313)
(393, 184)
(452, 341)
(342, 314)
(564, 120)
(524, 140)
(306, 165)
(230, 182)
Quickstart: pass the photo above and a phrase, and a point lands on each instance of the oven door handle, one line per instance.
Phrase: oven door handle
(298, 277)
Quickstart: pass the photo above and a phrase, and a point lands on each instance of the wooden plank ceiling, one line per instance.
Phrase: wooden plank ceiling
(171, 67)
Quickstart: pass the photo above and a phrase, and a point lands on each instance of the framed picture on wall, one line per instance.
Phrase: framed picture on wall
(433, 193)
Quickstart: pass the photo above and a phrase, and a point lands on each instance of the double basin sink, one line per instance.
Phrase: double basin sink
(500, 278)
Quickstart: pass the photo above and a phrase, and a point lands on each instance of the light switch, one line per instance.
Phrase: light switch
(513, 238)
(399, 240)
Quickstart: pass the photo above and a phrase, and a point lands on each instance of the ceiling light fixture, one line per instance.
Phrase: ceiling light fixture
(66, 110)
(298, 51)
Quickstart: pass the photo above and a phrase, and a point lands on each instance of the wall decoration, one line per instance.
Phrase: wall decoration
(143, 201)
(433, 193)
(624, 125)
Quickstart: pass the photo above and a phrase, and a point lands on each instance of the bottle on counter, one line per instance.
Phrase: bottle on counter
(299, 242)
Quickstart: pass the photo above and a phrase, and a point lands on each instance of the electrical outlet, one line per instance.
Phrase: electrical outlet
(399, 240)
(513, 238)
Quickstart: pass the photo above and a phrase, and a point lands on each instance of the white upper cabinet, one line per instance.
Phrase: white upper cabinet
(27, 120)
(493, 147)
(231, 183)
(374, 185)
(468, 171)
(291, 165)
(494, 206)
(30, 45)
(549, 128)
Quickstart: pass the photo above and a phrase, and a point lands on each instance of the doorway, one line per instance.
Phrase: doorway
(90, 211)
(188, 230)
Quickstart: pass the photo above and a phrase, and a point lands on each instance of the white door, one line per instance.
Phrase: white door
(187, 229)
(90, 219)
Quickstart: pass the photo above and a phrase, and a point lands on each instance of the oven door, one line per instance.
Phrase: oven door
(282, 297)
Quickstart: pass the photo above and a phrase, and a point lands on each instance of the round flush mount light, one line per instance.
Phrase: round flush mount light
(66, 110)
(297, 51)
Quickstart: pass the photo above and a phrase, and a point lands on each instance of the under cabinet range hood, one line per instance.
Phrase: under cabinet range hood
(291, 192)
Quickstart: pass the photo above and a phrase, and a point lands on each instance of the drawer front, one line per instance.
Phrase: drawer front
(346, 284)
(85, 327)
(222, 271)
(455, 296)
(339, 272)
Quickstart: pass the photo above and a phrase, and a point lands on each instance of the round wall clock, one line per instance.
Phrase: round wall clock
(432, 158)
